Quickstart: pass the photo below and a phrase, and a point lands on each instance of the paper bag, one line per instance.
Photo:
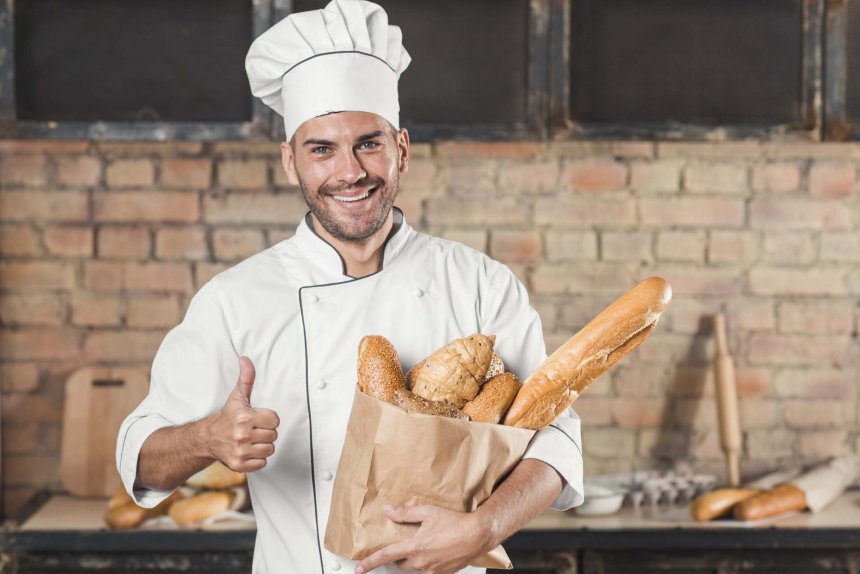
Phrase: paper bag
(399, 458)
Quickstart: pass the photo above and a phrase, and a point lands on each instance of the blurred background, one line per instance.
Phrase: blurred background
(585, 143)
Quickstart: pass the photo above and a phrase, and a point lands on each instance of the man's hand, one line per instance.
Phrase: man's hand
(446, 541)
(242, 436)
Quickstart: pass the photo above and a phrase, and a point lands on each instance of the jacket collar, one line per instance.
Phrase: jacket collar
(325, 256)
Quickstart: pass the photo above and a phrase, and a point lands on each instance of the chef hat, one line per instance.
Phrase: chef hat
(344, 57)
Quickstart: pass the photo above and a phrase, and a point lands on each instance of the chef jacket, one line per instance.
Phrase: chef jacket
(296, 314)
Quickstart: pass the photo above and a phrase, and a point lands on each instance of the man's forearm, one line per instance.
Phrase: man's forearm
(172, 454)
(529, 490)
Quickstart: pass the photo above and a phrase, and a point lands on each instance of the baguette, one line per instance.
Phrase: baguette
(719, 503)
(616, 331)
(780, 499)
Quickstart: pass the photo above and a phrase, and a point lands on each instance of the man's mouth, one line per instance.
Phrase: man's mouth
(354, 198)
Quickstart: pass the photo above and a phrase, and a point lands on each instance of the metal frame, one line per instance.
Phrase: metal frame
(258, 128)
(838, 126)
(562, 126)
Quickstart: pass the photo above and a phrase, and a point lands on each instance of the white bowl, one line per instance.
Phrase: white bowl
(600, 500)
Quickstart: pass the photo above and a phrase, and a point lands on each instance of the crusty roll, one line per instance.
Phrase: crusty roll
(719, 503)
(379, 370)
(216, 476)
(455, 372)
(780, 499)
(125, 515)
(197, 508)
(616, 331)
(412, 403)
(495, 397)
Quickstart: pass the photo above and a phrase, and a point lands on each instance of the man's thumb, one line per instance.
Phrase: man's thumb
(246, 378)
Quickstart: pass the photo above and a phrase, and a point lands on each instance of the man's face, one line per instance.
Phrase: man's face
(348, 165)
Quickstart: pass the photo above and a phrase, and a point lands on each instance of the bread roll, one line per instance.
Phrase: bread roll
(412, 403)
(379, 370)
(122, 516)
(780, 499)
(494, 399)
(616, 331)
(197, 508)
(216, 476)
(719, 502)
(455, 372)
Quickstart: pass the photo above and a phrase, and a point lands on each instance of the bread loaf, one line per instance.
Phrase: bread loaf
(780, 499)
(412, 403)
(719, 503)
(123, 513)
(195, 509)
(494, 399)
(379, 370)
(216, 476)
(455, 372)
(616, 331)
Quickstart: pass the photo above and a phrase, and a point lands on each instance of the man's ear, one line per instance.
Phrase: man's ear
(403, 150)
(289, 162)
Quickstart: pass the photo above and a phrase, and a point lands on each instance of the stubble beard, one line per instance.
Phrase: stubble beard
(351, 229)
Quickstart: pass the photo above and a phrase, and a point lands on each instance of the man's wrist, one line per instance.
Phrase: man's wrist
(203, 433)
(489, 526)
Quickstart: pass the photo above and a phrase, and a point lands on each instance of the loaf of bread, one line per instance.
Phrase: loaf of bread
(780, 499)
(412, 403)
(122, 512)
(497, 367)
(616, 331)
(455, 372)
(719, 503)
(493, 401)
(216, 476)
(379, 370)
(193, 510)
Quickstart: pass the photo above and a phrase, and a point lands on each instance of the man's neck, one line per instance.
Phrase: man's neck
(360, 258)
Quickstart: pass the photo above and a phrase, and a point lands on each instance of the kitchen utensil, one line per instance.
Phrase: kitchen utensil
(727, 402)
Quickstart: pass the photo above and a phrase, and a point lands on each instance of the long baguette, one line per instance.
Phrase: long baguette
(780, 499)
(616, 331)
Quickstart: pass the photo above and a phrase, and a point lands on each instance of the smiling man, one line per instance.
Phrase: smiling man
(261, 372)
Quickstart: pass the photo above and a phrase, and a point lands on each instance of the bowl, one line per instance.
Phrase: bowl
(599, 501)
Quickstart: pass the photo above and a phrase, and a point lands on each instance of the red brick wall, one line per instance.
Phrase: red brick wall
(102, 245)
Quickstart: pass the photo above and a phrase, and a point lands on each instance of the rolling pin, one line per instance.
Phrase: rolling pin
(727, 402)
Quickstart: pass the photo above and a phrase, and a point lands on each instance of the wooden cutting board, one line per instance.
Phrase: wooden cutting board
(97, 401)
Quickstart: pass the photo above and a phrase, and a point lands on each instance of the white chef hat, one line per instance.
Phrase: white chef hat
(344, 57)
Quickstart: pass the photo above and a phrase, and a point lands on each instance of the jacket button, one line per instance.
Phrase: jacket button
(327, 475)
(321, 385)
(419, 292)
(315, 299)
(334, 565)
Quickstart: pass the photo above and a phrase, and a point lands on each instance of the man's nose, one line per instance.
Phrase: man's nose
(349, 169)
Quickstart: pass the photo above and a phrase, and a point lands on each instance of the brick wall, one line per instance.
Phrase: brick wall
(102, 245)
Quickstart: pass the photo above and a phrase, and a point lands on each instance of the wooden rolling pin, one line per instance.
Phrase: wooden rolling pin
(727, 402)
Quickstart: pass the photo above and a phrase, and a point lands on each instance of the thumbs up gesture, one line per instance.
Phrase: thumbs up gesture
(243, 436)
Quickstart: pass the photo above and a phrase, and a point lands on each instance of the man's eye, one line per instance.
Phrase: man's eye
(320, 149)
(369, 145)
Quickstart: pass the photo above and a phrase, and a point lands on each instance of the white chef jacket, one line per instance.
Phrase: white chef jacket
(297, 315)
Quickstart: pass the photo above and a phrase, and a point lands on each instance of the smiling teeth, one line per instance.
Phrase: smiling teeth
(351, 199)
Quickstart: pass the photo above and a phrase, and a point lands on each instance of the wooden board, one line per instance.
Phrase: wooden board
(97, 401)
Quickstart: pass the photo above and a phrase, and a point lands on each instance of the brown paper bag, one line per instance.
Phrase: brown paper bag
(399, 458)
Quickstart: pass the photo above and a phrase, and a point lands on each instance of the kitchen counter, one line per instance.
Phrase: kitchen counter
(62, 529)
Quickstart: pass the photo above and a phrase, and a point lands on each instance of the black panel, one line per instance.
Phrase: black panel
(127, 60)
(853, 61)
(469, 59)
(697, 62)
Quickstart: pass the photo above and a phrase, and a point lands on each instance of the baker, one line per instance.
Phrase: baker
(260, 373)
